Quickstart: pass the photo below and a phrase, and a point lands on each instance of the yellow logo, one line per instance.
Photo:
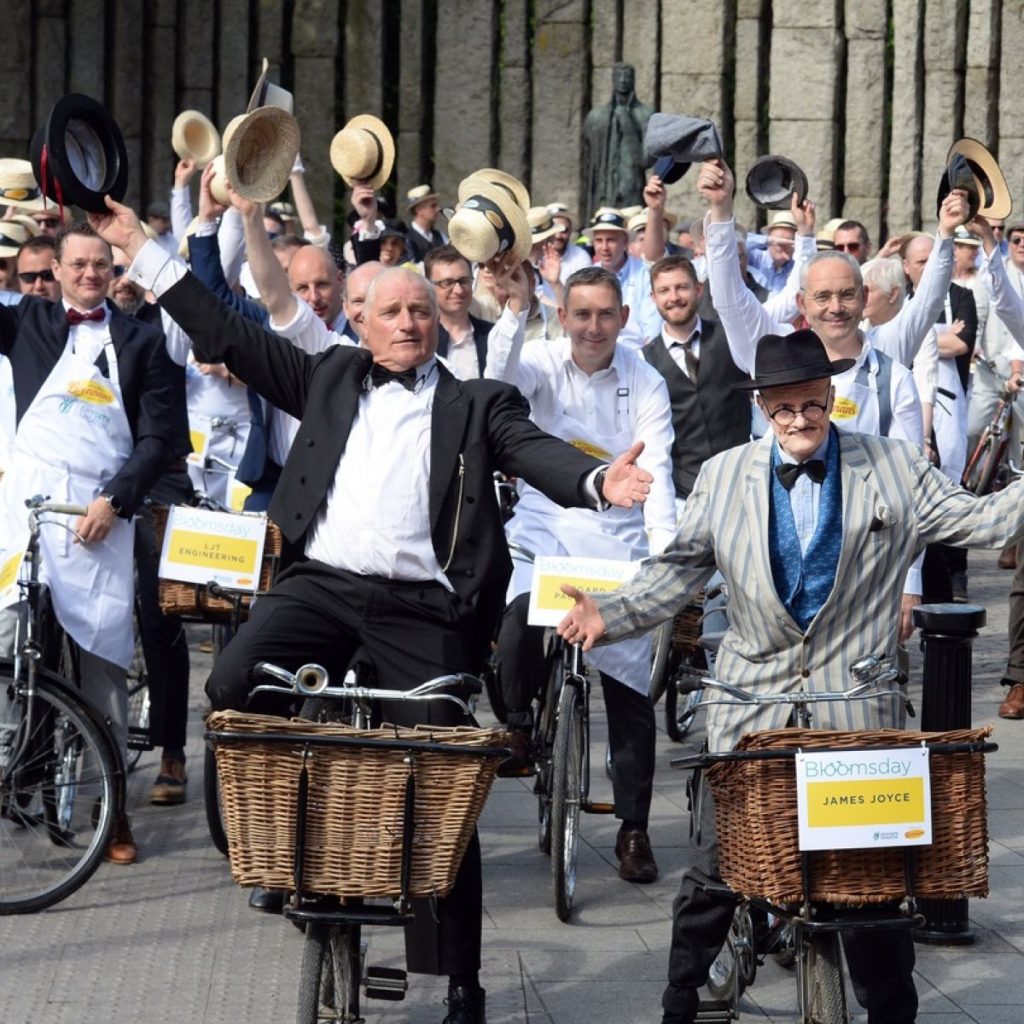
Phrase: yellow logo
(844, 409)
(913, 833)
(591, 449)
(91, 391)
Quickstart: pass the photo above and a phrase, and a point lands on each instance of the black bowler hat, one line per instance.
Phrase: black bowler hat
(796, 358)
(772, 180)
(80, 156)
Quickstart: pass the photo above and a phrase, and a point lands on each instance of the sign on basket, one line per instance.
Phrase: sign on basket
(548, 605)
(201, 546)
(853, 799)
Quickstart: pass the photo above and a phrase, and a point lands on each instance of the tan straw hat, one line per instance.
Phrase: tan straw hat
(489, 223)
(193, 136)
(542, 226)
(607, 218)
(267, 94)
(639, 220)
(419, 194)
(260, 153)
(363, 152)
(12, 235)
(492, 176)
(18, 185)
(218, 182)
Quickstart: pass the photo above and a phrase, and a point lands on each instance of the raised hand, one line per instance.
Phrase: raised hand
(716, 185)
(183, 172)
(119, 227)
(803, 214)
(654, 194)
(364, 202)
(583, 625)
(625, 483)
(246, 207)
(209, 208)
(551, 264)
(953, 212)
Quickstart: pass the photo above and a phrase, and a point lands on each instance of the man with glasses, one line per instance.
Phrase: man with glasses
(851, 237)
(461, 337)
(35, 269)
(100, 415)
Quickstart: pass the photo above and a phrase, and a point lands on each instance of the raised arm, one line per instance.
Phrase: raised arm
(654, 235)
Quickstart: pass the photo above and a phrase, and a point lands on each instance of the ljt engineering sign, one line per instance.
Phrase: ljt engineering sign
(854, 799)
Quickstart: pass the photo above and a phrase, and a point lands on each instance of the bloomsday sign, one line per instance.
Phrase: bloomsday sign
(548, 605)
(201, 546)
(852, 799)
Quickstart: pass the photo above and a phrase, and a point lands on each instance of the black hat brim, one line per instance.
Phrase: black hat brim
(959, 174)
(796, 375)
(772, 180)
(669, 169)
(85, 155)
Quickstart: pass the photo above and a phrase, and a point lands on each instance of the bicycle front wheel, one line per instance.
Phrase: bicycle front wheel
(566, 782)
(661, 652)
(330, 974)
(983, 466)
(826, 993)
(57, 794)
(211, 801)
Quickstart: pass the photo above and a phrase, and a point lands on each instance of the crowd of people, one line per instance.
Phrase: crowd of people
(785, 407)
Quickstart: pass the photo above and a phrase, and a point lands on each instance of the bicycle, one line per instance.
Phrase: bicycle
(985, 468)
(332, 903)
(814, 924)
(560, 742)
(62, 777)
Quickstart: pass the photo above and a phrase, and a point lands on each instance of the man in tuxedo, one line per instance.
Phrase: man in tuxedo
(814, 529)
(386, 504)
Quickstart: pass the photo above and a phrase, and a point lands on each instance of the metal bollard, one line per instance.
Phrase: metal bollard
(947, 636)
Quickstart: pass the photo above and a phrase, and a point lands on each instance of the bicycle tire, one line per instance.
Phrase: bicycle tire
(543, 742)
(826, 993)
(736, 964)
(661, 653)
(566, 783)
(679, 715)
(211, 802)
(58, 791)
(330, 969)
(983, 467)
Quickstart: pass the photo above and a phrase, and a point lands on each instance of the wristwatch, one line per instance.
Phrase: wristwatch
(115, 506)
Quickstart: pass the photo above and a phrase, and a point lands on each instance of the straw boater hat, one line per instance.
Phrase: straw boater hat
(961, 236)
(27, 222)
(969, 165)
(260, 153)
(639, 220)
(492, 176)
(542, 226)
(266, 94)
(363, 152)
(18, 185)
(194, 137)
(419, 194)
(489, 222)
(563, 211)
(218, 182)
(631, 211)
(607, 218)
(12, 235)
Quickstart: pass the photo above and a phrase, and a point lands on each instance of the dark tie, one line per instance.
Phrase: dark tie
(787, 472)
(75, 318)
(382, 375)
(691, 361)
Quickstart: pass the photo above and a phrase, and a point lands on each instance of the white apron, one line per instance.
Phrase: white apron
(8, 414)
(949, 420)
(219, 419)
(856, 404)
(545, 528)
(70, 443)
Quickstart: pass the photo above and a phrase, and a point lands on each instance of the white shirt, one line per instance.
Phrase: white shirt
(89, 337)
(376, 516)
(1005, 285)
(461, 357)
(644, 319)
(805, 494)
(575, 258)
(677, 346)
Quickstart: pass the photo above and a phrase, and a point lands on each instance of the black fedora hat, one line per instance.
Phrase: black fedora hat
(773, 179)
(796, 358)
(80, 155)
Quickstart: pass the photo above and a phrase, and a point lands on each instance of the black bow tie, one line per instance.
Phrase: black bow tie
(787, 472)
(382, 375)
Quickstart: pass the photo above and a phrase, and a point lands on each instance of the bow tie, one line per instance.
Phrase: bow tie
(787, 472)
(75, 318)
(380, 375)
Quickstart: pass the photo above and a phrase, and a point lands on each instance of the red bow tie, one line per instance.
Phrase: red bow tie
(74, 317)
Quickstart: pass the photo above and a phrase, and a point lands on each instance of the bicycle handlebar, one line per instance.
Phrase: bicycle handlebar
(39, 505)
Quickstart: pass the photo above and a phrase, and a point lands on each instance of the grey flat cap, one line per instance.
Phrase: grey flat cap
(685, 139)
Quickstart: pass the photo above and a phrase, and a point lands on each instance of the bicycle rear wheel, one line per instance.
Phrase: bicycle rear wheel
(826, 993)
(983, 466)
(330, 975)
(543, 742)
(57, 794)
(735, 967)
(211, 801)
(566, 783)
(661, 653)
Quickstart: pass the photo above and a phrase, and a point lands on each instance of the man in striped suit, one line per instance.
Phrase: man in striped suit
(814, 529)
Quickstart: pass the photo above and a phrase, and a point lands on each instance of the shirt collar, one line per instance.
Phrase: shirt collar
(671, 339)
(101, 305)
(618, 359)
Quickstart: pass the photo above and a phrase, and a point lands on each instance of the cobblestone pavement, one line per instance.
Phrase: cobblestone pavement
(171, 938)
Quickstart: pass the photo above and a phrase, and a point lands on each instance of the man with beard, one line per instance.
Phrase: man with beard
(574, 257)
(709, 414)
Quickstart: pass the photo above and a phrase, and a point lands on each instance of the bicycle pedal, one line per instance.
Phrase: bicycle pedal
(385, 983)
(714, 1011)
(598, 807)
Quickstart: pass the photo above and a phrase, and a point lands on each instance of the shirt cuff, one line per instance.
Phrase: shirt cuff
(205, 228)
(590, 489)
(913, 581)
(283, 329)
(155, 269)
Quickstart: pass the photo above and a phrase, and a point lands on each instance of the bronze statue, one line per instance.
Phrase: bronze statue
(614, 157)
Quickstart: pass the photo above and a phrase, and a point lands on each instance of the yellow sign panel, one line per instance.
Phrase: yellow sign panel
(844, 409)
(551, 598)
(236, 555)
(237, 493)
(865, 802)
(9, 570)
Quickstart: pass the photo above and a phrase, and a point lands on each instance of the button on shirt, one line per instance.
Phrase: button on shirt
(376, 518)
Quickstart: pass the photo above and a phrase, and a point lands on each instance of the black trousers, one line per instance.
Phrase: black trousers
(409, 632)
(631, 724)
(881, 962)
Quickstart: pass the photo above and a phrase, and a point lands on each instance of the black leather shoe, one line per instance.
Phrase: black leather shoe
(636, 861)
(466, 1005)
(270, 901)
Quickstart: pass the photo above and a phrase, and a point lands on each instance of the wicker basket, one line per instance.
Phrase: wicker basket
(192, 600)
(355, 806)
(756, 822)
(686, 627)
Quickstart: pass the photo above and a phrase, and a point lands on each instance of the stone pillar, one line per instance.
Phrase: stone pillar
(233, 83)
(17, 120)
(364, 46)
(605, 48)
(560, 96)
(464, 100)
(981, 107)
(48, 57)
(907, 105)
(640, 47)
(411, 102)
(269, 37)
(314, 45)
(196, 81)
(805, 124)
(943, 83)
(747, 135)
(87, 49)
(515, 95)
(126, 100)
(159, 46)
(865, 116)
(1011, 125)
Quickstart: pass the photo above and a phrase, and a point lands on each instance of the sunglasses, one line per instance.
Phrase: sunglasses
(1017, 240)
(31, 276)
(848, 246)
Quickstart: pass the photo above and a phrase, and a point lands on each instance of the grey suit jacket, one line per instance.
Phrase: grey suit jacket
(894, 503)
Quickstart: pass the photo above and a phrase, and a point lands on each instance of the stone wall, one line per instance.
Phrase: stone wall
(866, 95)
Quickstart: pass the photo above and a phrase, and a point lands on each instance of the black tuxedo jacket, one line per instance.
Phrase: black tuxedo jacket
(33, 336)
(477, 427)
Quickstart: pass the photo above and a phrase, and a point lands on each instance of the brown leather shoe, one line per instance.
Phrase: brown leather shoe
(122, 848)
(169, 787)
(520, 762)
(636, 861)
(1013, 705)
(1008, 557)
